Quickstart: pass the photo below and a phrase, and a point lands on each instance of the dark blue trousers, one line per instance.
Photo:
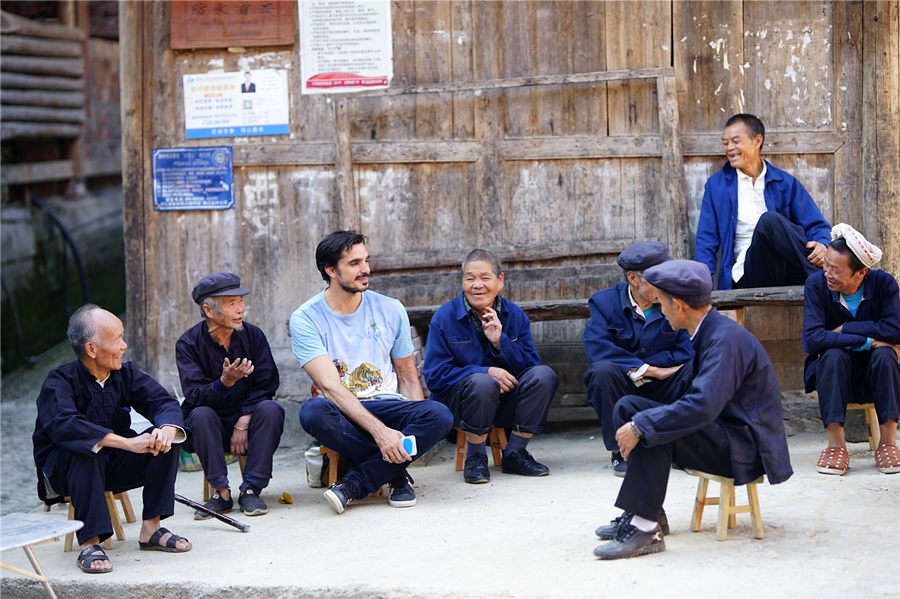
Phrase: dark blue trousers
(844, 376)
(777, 255)
(644, 489)
(211, 440)
(429, 421)
(86, 478)
(478, 405)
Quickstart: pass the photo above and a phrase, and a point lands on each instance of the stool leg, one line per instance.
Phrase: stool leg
(732, 515)
(755, 515)
(494, 438)
(874, 431)
(726, 499)
(126, 506)
(242, 461)
(114, 516)
(71, 535)
(207, 490)
(334, 459)
(461, 446)
(699, 504)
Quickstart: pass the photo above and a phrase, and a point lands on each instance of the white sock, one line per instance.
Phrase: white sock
(642, 524)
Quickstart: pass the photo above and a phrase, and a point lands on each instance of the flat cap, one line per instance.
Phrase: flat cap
(642, 255)
(217, 284)
(685, 279)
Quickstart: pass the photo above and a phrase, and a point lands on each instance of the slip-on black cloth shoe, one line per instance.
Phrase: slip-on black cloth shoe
(475, 471)
(631, 542)
(521, 462)
(609, 531)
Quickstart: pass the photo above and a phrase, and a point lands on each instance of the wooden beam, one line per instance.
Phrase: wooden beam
(10, 112)
(673, 182)
(543, 311)
(343, 166)
(11, 24)
(64, 67)
(37, 46)
(38, 172)
(796, 142)
(33, 82)
(290, 154)
(507, 253)
(459, 86)
(416, 151)
(14, 130)
(42, 98)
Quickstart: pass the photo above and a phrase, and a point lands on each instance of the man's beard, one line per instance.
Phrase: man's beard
(349, 289)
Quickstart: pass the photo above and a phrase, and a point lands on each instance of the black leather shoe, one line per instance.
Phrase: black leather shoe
(612, 529)
(476, 472)
(631, 542)
(521, 462)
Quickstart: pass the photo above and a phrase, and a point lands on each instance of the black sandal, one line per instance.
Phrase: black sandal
(171, 545)
(88, 556)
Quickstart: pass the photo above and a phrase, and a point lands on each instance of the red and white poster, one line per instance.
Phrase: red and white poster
(345, 45)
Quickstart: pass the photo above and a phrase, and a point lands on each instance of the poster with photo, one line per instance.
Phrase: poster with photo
(345, 45)
(237, 104)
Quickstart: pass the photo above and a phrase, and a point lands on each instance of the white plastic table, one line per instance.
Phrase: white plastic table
(24, 530)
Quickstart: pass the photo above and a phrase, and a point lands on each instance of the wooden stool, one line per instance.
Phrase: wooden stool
(208, 491)
(871, 422)
(113, 517)
(726, 503)
(496, 439)
(334, 460)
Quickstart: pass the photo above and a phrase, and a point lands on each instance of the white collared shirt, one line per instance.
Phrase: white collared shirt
(751, 205)
(637, 374)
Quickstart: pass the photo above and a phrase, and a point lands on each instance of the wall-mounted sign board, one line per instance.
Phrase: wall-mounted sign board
(193, 178)
(237, 104)
(222, 24)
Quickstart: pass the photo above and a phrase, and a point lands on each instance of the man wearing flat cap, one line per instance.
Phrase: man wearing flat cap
(761, 220)
(630, 347)
(851, 331)
(728, 422)
(229, 379)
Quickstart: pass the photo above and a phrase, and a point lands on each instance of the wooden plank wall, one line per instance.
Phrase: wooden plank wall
(560, 178)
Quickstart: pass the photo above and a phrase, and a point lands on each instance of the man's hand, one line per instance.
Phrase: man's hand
(506, 380)
(660, 374)
(239, 437)
(143, 443)
(876, 343)
(161, 439)
(390, 442)
(232, 373)
(817, 255)
(490, 323)
(838, 329)
(626, 440)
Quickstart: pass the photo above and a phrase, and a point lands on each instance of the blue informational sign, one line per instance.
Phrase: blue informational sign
(193, 178)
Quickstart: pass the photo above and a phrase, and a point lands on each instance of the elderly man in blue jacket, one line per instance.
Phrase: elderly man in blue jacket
(765, 224)
(629, 344)
(851, 329)
(480, 362)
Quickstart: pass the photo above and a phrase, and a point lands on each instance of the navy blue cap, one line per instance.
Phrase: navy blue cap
(642, 255)
(217, 284)
(685, 279)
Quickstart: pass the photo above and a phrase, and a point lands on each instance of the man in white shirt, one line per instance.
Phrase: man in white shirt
(356, 348)
(767, 226)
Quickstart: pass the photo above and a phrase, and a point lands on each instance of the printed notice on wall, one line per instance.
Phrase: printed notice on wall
(193, 178)
(345, 45)
(236, 104)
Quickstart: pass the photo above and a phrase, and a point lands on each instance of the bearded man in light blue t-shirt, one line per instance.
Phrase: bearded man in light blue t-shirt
(356, 348)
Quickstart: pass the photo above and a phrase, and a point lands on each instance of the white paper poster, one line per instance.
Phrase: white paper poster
(236, 104)
(345, 45)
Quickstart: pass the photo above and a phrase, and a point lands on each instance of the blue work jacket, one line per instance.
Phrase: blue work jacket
(455, 350)
(718, 216)
(734, 382)
(618, 335)
(878, 317)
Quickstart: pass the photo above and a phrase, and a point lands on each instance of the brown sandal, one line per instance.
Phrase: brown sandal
(834, 460)
(887, 459)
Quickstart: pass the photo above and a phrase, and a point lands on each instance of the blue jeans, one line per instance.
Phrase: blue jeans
(428, 421)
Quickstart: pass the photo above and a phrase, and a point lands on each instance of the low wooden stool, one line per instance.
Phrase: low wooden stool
(208, 491)
(726, 503)
(113, 517)
(496, 439)
(871, 422)
(334, 460)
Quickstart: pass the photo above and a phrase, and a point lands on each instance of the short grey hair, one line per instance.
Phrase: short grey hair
(81, 329)
(639, 273)
(482, 255)
(214, 302)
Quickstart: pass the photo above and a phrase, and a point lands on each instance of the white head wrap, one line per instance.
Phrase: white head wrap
(867, 253)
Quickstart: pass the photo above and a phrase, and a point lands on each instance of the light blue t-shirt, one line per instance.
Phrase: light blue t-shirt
(361, 344)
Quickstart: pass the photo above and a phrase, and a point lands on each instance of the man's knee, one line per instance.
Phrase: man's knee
(314, 410)
(832, 361)
(438, 414)
(883, 360)
(600, 371)
(626, 408)
(270, 410)
(771, 223)
(202, 417)
(540, 376)
(480, 386)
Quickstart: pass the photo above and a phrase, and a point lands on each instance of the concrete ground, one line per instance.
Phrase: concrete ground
(825, 536)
